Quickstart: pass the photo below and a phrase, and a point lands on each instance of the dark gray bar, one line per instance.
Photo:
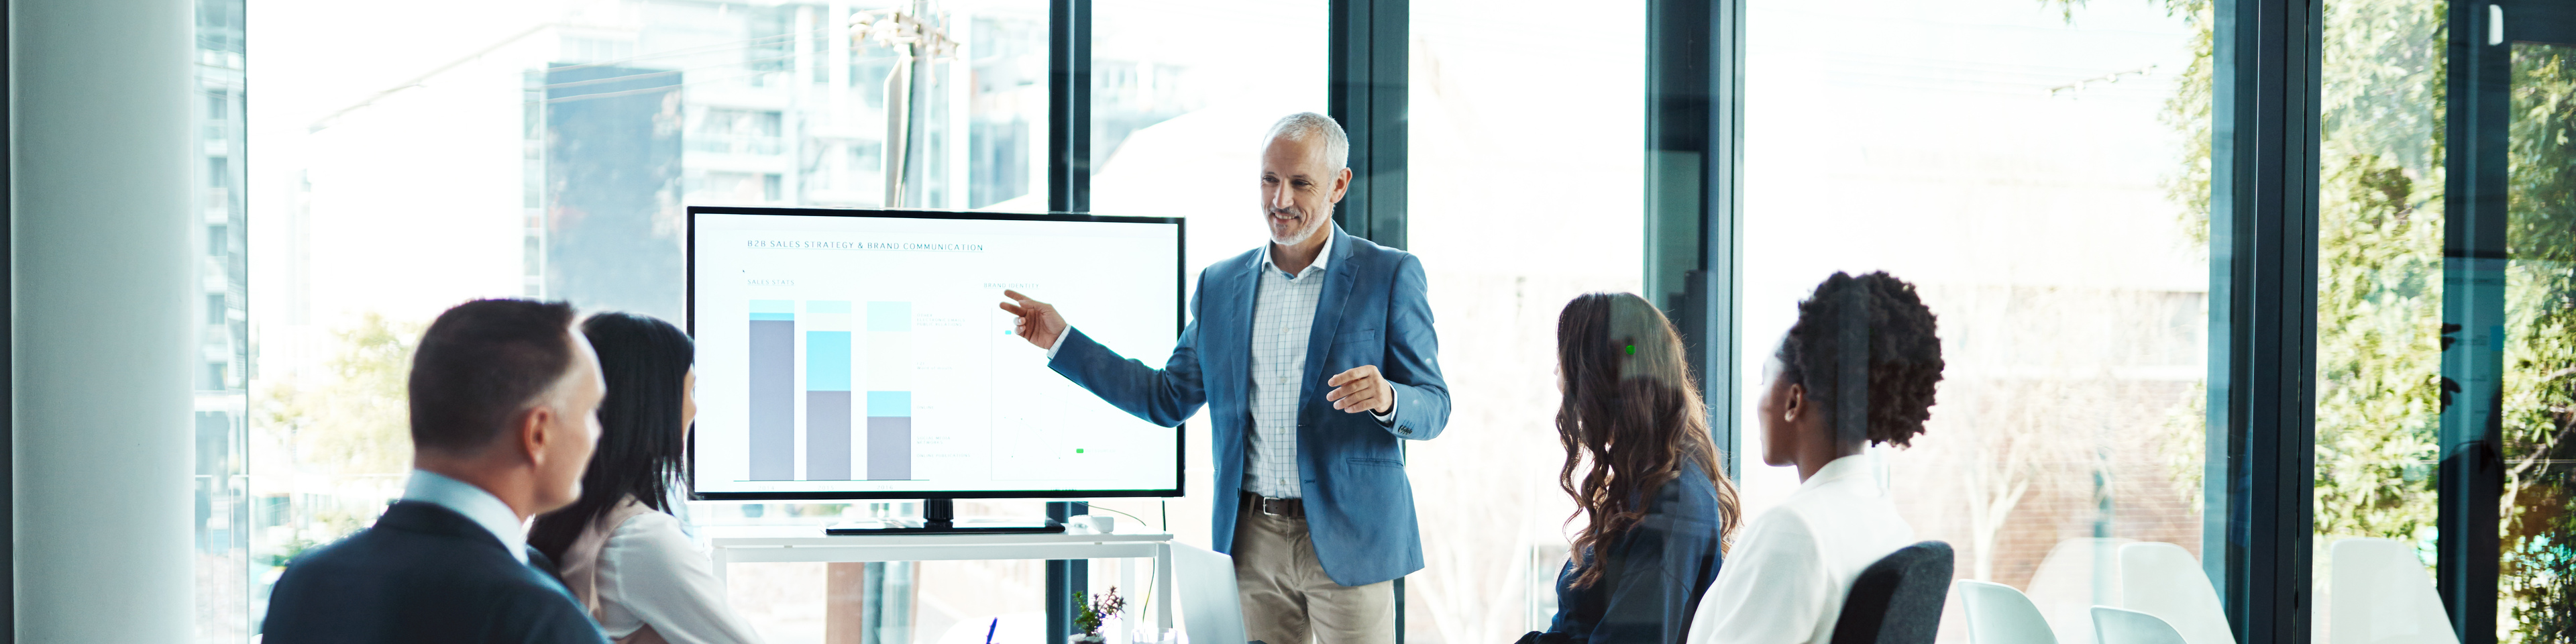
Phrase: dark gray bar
(1694, 162)
(1367, 91)
(827, 436)
(2259, 530)
(2476, 222)
(889, 448)
(1069, 109)
(773, 400)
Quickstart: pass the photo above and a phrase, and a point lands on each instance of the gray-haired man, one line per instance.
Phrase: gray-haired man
(1315, 355)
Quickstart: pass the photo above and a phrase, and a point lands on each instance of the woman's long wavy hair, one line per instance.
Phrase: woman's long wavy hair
(1630, 412)
(642, 448)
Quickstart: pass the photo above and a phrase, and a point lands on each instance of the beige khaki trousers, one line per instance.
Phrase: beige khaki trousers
(1288, 600)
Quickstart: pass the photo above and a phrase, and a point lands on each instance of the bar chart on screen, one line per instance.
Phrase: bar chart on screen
(870, 356)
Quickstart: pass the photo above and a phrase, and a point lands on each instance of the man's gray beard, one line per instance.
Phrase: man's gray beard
(1311, 230)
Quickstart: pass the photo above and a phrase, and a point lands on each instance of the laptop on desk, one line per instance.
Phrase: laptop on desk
(1211, 606)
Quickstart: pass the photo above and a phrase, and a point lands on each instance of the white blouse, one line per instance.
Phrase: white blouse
(1785, 580)
(650, 573)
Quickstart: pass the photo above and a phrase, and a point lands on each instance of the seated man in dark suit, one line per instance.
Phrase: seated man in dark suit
(503, 402)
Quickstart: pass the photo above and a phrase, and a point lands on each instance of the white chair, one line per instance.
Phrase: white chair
(2164, 580)
(2120, 626)
(2381, 595)
(1211, 611)
(2077, 575)
(1997, 614)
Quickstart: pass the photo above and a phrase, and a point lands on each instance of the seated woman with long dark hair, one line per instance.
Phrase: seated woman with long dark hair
(1643, 473)
(620, 550)
(1858, 367)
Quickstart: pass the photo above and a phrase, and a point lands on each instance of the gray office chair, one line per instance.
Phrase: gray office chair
(1897, 600)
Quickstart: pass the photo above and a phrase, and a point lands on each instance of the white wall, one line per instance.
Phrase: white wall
(100, 263)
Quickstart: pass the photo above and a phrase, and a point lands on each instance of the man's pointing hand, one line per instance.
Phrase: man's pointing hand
(1038, 321)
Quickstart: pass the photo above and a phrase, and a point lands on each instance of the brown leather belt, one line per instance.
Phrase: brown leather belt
(1272, 506)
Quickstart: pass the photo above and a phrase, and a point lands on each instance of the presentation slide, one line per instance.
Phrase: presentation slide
(867, 356)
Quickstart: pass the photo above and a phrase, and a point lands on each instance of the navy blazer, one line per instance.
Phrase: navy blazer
(1651, 579)
(1373, 311)
(423, 574)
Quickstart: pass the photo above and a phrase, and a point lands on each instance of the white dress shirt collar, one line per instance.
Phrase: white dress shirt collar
(1322, 257)
(1852, 471)
(1790, 570)
(477, 505)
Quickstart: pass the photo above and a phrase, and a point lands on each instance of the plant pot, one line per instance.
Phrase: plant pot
(1078, 638)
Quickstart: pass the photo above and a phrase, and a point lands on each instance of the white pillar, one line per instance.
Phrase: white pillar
(100, 265)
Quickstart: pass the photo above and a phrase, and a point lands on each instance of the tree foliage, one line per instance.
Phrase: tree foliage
(353, 417)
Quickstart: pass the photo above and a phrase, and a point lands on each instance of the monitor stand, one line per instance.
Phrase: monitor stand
(939, 516)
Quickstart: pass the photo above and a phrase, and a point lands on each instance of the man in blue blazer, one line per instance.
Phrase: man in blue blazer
(1316, 356)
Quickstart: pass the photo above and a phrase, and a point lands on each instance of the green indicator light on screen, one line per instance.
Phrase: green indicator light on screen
(1077, 450)
(1632, 349)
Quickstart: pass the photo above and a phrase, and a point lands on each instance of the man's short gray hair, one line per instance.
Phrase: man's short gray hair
(1299, 126)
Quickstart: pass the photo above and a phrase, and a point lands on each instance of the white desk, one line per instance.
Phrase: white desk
(772, 544)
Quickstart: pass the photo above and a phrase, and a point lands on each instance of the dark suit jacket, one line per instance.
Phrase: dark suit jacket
(1651, 579)
(422, 574)
(1373, 311)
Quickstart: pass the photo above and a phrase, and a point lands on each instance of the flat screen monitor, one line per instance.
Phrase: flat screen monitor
(862, 354)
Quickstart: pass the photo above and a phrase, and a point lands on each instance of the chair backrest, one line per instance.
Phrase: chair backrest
(2381, 595)
(1997, 614)
(1898, 599)
(1211, 608)
(2164, 580)
(2077, 575)
(2123, 626)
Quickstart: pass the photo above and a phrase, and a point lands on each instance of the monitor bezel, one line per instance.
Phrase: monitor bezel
(1180, 317)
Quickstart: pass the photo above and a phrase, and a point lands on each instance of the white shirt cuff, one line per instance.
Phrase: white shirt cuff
(1059, 343)
(1387, 418)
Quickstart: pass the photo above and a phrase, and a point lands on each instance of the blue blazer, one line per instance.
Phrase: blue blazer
(1359, 505)
(423, 574)
(1651, 579)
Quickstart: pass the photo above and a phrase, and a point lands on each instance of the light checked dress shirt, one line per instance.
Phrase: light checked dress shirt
(1283, 319)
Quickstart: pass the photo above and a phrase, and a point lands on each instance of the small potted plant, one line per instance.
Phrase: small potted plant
(1090, 612)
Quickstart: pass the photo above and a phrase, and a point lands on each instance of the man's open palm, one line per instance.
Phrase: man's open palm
(1038, 321)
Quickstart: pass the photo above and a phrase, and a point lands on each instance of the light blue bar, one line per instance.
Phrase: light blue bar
(827, 361)
(782, 317)
(889, 404)
(890, 316)
(773, 306)
(827, 306)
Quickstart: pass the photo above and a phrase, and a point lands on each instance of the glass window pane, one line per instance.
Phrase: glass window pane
(2380, 287)
(2536, 602)
(2036, 169)
(223, 521)
(548, 149)
(1527, 188)
(1182, 93)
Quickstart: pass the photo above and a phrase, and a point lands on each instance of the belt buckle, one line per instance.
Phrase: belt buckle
(1269, 506)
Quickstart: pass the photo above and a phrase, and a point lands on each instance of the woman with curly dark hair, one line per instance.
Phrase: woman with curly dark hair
(1643, 474)
(1858, 368)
